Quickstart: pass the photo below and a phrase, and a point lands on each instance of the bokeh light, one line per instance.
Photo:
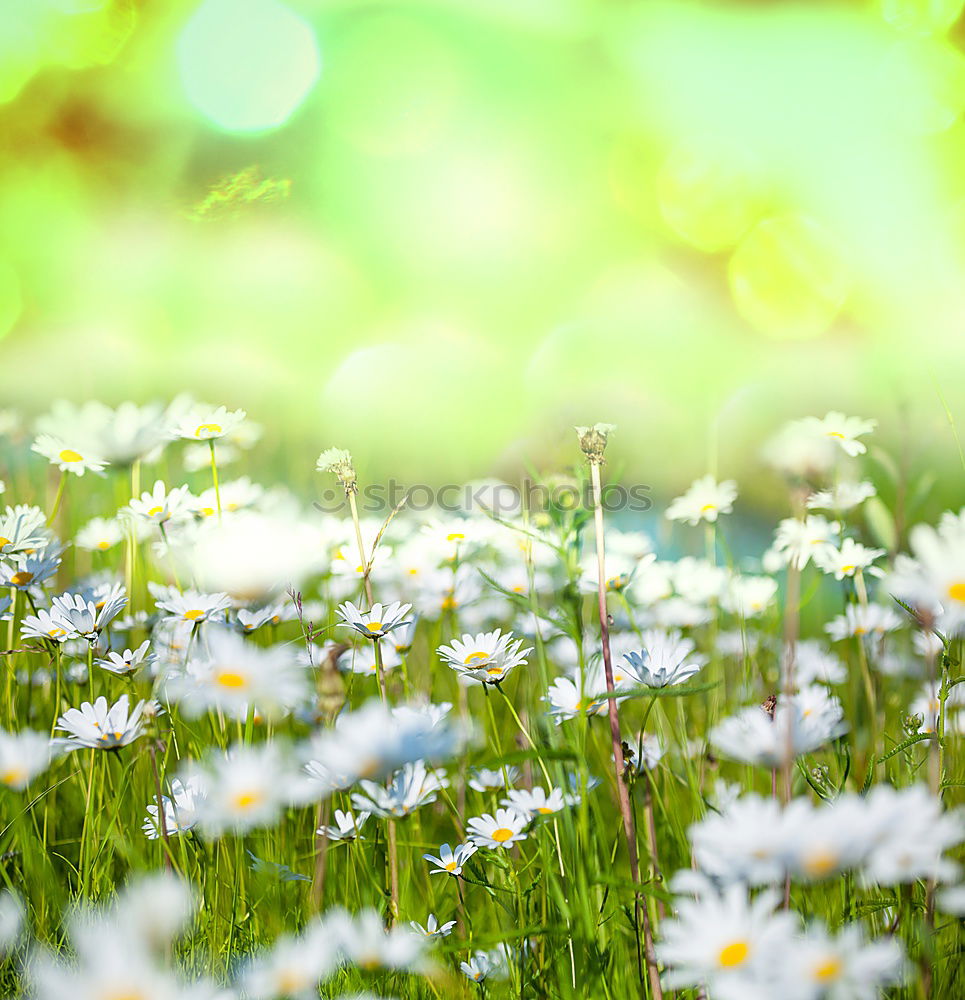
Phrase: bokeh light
(247, 64)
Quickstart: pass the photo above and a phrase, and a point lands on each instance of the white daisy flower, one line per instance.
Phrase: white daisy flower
(377, 622)
(847, 560)
(85, 619)
(22, 529)
(844, 496)
(484, 779)
(666, 659)
(180, 810)
(209, 424)
(843, 431)
(505, 828)
(102, 727)
(160, 505)
(99, 534)
(410, 787)
(23, 756)
(193, 607)
(535, 801)
(433, 928)
(705, 500)
(449, 861)
(128, 661)
(68, 457)
(347, 826)
(487, 657)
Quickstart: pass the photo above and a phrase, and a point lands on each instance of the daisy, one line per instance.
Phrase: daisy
(68, 457)
(365, 942)
(848, 560)
(842, 497)
(22, 529)
(100, 727)
(192, 606)
(243, 788)
(28, 571)
(411, 787)
(23, 756)
(566, 701)
(231, 675)
(705, 500)
(120, 435)
(484, 779)
(209, 424)
(843, 431)
(730, 942)
(82, 618)
(293, 967)
(43, 626)
(796, 541)
(99, 534)
(749, 596)
(845, 967)
(864, 619)
(487, 657)
(347, 826)
(666, 659)
(377, 622)
(536, 801)
(450, 862)
(180, 810)
(160, 505)
(755, 736)
(506, 827)
(128, 661)
(433, 928)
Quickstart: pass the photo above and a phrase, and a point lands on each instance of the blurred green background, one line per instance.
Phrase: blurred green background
(441, 233)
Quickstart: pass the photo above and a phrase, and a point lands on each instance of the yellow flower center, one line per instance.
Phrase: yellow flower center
(21, 578)
(231, 679)
(708, 506)
(67, 455)
(449, 603)
(478, 655)
(374, 626)
(835, 434)
(193, 616)
(545, 810)
(245, 800)
(494, 671)
(820, 863)
(849, 568)
(502, 834)
(154, 511)
(13, 775)
(860, 630)
(207, 429)
(829, 970)
(103, 544)
(455, 536)
(451, 866)
(207, 511)
(956, 590)
(733, 954)
(4, 541)
(55, 633)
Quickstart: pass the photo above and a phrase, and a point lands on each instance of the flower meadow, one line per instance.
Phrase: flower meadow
(252, 749)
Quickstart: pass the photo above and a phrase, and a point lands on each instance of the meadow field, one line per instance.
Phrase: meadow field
(265, 744)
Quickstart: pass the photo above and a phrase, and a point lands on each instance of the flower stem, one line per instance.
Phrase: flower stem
(214, 477)
(624, 797)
